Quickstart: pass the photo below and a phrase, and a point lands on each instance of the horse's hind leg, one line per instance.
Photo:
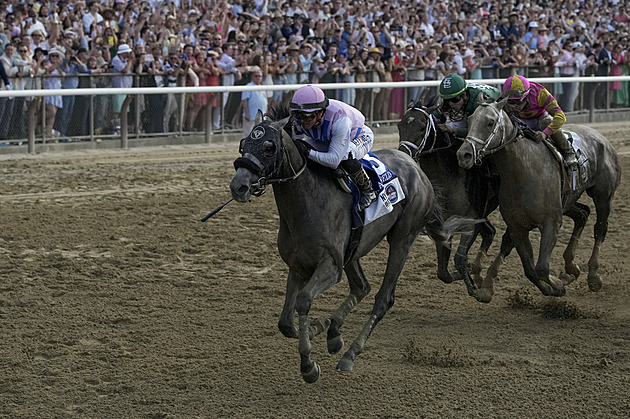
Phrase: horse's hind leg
(461, 261)
(359, 288)
(401, 241)
(602, 208)
(443, 257)
(579, 214)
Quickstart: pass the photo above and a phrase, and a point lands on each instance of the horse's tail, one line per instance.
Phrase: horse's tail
(442, 231)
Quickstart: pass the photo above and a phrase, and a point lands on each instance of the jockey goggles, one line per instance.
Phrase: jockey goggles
(455, 99)
(304, 116)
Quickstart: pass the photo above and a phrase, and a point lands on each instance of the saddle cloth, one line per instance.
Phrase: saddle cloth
(386, 185)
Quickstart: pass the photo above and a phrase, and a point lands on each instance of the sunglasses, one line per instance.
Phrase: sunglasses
(455, 99)
(304, 116)
(23, 50)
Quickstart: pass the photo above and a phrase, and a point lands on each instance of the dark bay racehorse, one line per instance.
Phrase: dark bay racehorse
(461, 192)
(315, 225)
(536, 190)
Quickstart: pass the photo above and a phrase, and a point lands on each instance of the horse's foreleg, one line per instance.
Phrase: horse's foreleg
(486, 290)
(384, 299)
(325, 276)
(487, 233)
(285, 322)
(520, 238)
(548, 239)
(579, 214)
(359, 288)
(602, 207)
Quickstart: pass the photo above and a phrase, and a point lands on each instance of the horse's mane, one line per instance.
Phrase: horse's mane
(278, 112)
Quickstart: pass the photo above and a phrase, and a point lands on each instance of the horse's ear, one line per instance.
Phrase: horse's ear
(259, 117)
(501, 103)
(279, 125)
(411, 104)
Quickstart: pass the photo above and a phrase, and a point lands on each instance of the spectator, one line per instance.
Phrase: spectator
(6, 103)
(252, 102)
(122, 64)
(53, 103)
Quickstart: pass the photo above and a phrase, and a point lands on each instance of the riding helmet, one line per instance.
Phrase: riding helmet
(452, 86)
(519, 86)
(308, 98)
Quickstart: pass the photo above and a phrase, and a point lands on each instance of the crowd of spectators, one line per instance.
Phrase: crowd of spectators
(164, 43)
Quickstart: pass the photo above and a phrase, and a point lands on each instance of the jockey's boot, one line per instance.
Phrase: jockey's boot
(365, 187)
(565, 148)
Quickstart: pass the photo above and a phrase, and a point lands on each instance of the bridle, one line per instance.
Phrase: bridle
(418, 150)
(478, 154)
(269, 175)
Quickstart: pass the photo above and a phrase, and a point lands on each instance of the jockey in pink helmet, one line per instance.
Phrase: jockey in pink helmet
(538, 109)
(337, 135)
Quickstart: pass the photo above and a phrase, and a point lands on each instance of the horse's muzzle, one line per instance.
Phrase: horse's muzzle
(241, 185)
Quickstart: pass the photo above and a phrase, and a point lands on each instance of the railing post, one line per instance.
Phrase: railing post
(124, 135)
(208, 111)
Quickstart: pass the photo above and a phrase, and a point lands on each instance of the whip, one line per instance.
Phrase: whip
(214, 211)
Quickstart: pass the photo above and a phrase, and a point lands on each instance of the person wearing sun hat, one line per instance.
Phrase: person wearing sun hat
(122, 65)
(53, 81)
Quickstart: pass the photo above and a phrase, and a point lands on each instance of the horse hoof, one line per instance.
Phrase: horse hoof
(345, 365)
(288, 331)
(312, 374)
(335, 344)
(484, 295)
(574, 270)
(567, 278)
(594, 282)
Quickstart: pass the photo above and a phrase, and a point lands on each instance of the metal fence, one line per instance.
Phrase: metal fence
(97, 112)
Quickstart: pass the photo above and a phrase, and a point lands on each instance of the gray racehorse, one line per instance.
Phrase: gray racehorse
(467, 193)
(315, 225)
(536, 190)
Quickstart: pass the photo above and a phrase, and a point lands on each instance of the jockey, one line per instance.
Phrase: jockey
(459, 101)
(337, 133)
(538, 109)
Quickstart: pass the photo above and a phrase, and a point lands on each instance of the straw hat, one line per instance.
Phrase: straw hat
(374, 51)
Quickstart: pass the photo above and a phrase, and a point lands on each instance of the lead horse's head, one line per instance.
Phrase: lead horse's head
(265, 159)
(486, 131)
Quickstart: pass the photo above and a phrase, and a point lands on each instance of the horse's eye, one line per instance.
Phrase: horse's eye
(269, 147)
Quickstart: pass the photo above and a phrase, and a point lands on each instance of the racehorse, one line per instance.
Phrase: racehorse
(536, 190)
(315, 226)
(466, 193)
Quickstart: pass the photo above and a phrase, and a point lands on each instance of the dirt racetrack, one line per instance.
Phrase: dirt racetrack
(116, 302)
